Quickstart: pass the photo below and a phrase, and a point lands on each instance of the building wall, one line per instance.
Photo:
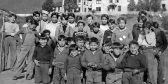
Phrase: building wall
(165, 2)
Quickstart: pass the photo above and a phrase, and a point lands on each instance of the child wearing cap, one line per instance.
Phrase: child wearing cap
(134, 64)
(43, 56)
(93, 61)
(73, 67)
(112, 58)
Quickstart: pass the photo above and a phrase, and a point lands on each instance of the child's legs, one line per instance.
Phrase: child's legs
(13, 53)
(89, 77)
(73, 76)
(44, 74)
(114, 78)
(38, 74)
(137, 79)
(126, 77)
(77, 77)
(110, 78)
(98, 77)
(57, 77)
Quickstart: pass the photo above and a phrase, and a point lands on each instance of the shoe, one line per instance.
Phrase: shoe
(14, 78)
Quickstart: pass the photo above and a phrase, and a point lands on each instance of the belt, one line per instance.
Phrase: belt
(92, 69)
(128, 70)
(47, 62)
(8, 36)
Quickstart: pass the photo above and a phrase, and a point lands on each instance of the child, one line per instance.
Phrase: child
(80, 31)
(71, 20)
(87, 47)
(108, 33)
(60, 54)
(112, 58)
(93, 61)
(43, 56)
(97, 33)
(64, 28)
(73, 67)
(104, 26)
(134, 64)
(70, 41)
(80, 43)
(30, 36)
(122, 34)
(78, 18)
(90, 22)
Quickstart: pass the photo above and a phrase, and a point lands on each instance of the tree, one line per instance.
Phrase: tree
(140, 5)
(93, 12)
(48, 5)
(70, 5)
(155, 5)
(131, 5)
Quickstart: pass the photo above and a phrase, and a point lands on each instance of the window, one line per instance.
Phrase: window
(110, 1)
(98, 1)
(79, 2)
(119, 8)
(117, 1)
(163, 6)
(98, 8)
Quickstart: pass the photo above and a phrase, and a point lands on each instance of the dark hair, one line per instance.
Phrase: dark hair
(142, 12)
(46, 31)
(112, 21)
(81, 22)
(89, 15)
(80, 38)
(143, 18)
(94, 39)
(70, 39)
(35, 13)
(96, 24)
(87, 39)
(117, 45)
(54, 13)
(71, 14)
(73, 47)
(64, 16)
(13, 15)
(155, 24)
(133, 42)
(107, 43)
(43, 36)
(78, 18)
(147, 25)
(105, 15)
(35, 22)
(121, 18)
(60, 37)
(28, 18)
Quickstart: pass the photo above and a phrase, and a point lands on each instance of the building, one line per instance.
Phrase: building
(164, 5)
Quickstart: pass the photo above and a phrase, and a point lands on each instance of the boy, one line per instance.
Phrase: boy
(87, 47)
(122, 34)
(80, 31)
(30, 36)
(93, 61)
(71, 20)
(90, 22)
(70, 41)
(64, 28)
(104, 26)
(109, 32)
(43, 56)
(60, 54)
(134, 64)
(113, 58)
(73, 67)
(9, 29)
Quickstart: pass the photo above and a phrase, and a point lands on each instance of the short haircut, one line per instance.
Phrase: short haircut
(80, 21)
(96, 24)
(121, 18)
(87, 39)
(94, 39)
(133, 42)
(70, 39)
(117, 45)
(71, 14)
(35, 22)
(64, 16)
(54, 13)
(13, 15)
(142, 12)
(35, 13)
(73, 47)
(155, 24)
(28, 18)
(147, 25)
(46, 31)
(107, 43)
(61, 37)
(78, 18)
(143, 18)
(89, 15)
(80, 38)
(106, 16)
(112, 21)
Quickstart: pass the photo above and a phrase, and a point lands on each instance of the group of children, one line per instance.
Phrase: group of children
(68, 50)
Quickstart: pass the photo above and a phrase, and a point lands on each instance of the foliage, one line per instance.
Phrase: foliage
(48, 5)
(140, 5)
(93, 12)
(155, 5)
(70, 5)
(131, 5)
(164, 22)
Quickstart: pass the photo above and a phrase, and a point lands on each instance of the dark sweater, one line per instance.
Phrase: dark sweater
(107, 35)
(133, 62)
(135, 33)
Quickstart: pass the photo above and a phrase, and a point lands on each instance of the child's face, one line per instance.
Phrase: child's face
(122, 24)
(64, 22)
(71, 42)
(134, 49)
(37, 17)
(71, 19)
(104, 20)
(59, 19)
(43, 42)
(96, 29)
(111, 26)
(74, 53)
(117, 51)
(54, 19)
(12, 19)
(140, 23)
(146, 30)
(45, 17)
(32, 26)
(93, 46)
(80, 26)
(80, 43)
(47, 34)
(87, 45)
(106, 49)
(90, 20)
(61, 43)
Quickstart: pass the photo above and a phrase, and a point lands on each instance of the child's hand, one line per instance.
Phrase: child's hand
(65, 77)
(36, 62)
(81, 75)
(53, 63)
(135, 71)
(50, 71)
(90, 64)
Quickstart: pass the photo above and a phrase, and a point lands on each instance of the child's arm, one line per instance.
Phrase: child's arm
(83, 61)
(57, 32)
(101, 58)
(113, 37)
(71, 31)
(143, 63)
(109, 63)
(122, 63)
(66, 65)
(51, 52)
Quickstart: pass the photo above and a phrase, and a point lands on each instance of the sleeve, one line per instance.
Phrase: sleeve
(87, 29)
(130, 37)
(113, 37)
(84, 62)
(100, 65)
(108, 63)
(57, 32)
(35, 54)
(143, 63)
(66, 64)
(16, 29)
(21, 31)
(140, 39)
(101, 40)
(71, 31)
(51, 56)
(164, 40)
(105, 36)
(122, 64)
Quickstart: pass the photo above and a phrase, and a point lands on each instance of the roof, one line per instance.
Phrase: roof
(21, 6)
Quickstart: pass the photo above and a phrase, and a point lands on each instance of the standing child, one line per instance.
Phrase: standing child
(93, 61)
(73, 67)
(43, 56)
(60, 54)
(87, 46)
(71, 20)
(104, 26)
(134, 64)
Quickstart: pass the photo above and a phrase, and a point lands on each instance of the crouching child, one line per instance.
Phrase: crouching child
(134, 64)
